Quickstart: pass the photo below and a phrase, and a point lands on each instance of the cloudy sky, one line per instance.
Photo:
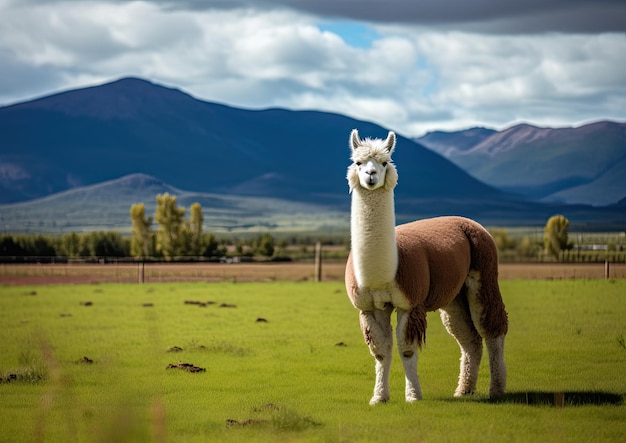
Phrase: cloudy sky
(410, 65)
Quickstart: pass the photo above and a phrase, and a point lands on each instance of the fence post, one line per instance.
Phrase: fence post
(606, 268)
(141, 271)
(318, 261)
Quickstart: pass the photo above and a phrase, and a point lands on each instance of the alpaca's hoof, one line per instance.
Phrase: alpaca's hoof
(413, 395)
(463, 392)
(378, 400)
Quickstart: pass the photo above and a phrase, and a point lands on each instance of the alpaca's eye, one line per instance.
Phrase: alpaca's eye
(358, 163)
(384, 164)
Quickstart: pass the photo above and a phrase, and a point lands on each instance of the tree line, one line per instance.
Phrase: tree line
(555, 245)
(89, 244)
(172, 233)
(554, 242)
(176, 236)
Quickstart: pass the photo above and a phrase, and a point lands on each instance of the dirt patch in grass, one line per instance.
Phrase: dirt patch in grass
(278, 417)
(189, 367)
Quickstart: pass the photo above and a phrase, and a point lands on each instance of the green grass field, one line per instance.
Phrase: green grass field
(303, 374)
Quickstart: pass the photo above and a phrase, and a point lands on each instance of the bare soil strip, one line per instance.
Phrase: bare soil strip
(42, 274)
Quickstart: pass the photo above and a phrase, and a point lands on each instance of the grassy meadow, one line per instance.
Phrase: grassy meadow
(285, 361)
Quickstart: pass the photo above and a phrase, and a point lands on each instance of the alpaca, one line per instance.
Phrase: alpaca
(445, 263)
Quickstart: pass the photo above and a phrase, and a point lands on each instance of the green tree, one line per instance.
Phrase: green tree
(37, 245)
(265, 245)
(106, 244)
(555, 235)
(243, 248)
(10, 247)
(526, 248)
(170, 217)
(211, 246)
(71, 245)
(281, 247)
(196, 238)
(142, 243)
(502, 240)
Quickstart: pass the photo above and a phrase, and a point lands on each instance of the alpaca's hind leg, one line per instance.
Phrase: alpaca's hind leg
(376, 327)
(495, 347)
(458, 322)
(408, 355)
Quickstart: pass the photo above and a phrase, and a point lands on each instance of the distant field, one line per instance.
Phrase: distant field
(296, 271)
(285, 361)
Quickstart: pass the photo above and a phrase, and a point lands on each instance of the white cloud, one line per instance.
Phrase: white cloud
(501, 79)
(408, 78)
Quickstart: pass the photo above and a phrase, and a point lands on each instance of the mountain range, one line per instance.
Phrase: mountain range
(77, 160)
(586, 164)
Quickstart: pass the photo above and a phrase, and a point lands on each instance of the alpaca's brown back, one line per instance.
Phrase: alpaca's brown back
(434, 260)
(436, 256)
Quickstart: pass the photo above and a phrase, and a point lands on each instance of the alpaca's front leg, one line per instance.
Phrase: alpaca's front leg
(408, 354)
(376, 327)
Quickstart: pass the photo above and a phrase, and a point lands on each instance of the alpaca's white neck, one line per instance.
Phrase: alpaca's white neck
(373, 237)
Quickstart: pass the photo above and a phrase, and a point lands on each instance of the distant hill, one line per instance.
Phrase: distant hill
(571, 165)
(106, 206)
(79, 159)
(452, 144)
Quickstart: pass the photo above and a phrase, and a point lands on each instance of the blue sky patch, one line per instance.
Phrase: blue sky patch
(355, 34)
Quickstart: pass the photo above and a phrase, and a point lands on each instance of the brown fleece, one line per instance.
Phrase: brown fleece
(494, 319)
(434, 260)
(416, 326)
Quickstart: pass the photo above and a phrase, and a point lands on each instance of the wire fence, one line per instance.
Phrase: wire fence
(128, 271)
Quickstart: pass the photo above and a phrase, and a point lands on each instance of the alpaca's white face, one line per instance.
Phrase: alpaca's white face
(372, 167)
(371, 173)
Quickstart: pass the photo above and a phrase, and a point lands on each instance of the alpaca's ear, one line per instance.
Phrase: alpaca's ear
(353, 177)
(355, 141)
(391, 177)
(390, 143)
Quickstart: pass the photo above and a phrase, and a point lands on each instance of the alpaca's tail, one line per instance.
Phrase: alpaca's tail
(483, 282)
